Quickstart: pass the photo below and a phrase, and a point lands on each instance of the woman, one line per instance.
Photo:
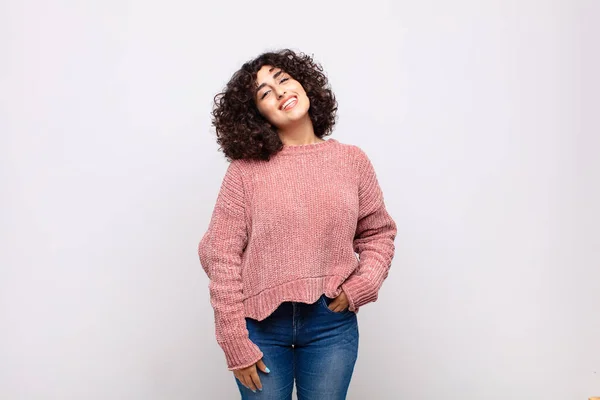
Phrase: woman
(291, 214)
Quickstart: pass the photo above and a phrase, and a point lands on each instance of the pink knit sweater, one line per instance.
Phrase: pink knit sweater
(289, 229)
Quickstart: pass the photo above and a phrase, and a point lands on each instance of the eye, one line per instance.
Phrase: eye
(283, 80)
(265, 94)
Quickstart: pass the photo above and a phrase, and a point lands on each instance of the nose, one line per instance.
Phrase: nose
(280, 93)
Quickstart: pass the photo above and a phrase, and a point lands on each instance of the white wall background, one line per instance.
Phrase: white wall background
(481, 118)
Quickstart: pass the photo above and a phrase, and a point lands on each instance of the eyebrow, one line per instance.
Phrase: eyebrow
(274, 77)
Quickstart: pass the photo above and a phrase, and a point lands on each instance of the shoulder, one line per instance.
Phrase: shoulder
(239, 167)
(360, 158)
(354, 151)
(240, 170)
(234, 174)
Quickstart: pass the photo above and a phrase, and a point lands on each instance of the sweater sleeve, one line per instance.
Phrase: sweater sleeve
(373, 240)
(220, 251)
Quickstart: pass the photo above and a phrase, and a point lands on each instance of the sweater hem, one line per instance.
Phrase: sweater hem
(304, 290)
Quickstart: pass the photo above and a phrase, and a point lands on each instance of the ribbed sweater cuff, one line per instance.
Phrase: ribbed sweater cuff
(359, 291)
(240, 353)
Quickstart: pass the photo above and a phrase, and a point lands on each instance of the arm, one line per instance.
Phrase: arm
(373, 241)
(220, 251)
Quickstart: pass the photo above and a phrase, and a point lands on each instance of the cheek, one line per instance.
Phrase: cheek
(267, 110)
(305, 101)
(303, 94)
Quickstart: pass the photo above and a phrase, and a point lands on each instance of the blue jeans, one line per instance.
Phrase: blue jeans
(309, 343)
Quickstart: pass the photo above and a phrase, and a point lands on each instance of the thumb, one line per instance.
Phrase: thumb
(261, 365)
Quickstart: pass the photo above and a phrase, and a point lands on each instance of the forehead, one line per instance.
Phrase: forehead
(266, 72)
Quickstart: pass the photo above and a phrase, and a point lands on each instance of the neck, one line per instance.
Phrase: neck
(300, 133)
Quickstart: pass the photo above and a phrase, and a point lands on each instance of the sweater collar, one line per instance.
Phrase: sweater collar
(306, 148)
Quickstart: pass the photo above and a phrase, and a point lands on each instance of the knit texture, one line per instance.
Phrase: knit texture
(290, 229)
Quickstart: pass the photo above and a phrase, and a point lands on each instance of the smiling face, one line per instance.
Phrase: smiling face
(280, 98)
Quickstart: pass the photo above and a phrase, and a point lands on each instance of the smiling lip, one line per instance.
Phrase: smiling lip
(291, 103)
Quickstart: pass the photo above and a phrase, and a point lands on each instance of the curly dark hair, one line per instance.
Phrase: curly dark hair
(242, 132)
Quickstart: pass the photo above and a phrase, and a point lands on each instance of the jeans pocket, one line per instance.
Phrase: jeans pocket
(325, 301)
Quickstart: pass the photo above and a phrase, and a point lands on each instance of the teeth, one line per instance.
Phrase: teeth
(287, 103)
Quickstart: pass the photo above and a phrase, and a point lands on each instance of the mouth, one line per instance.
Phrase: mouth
(289, 103)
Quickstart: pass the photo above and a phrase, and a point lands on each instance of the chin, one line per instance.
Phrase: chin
(299, 112)
(298, 117)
